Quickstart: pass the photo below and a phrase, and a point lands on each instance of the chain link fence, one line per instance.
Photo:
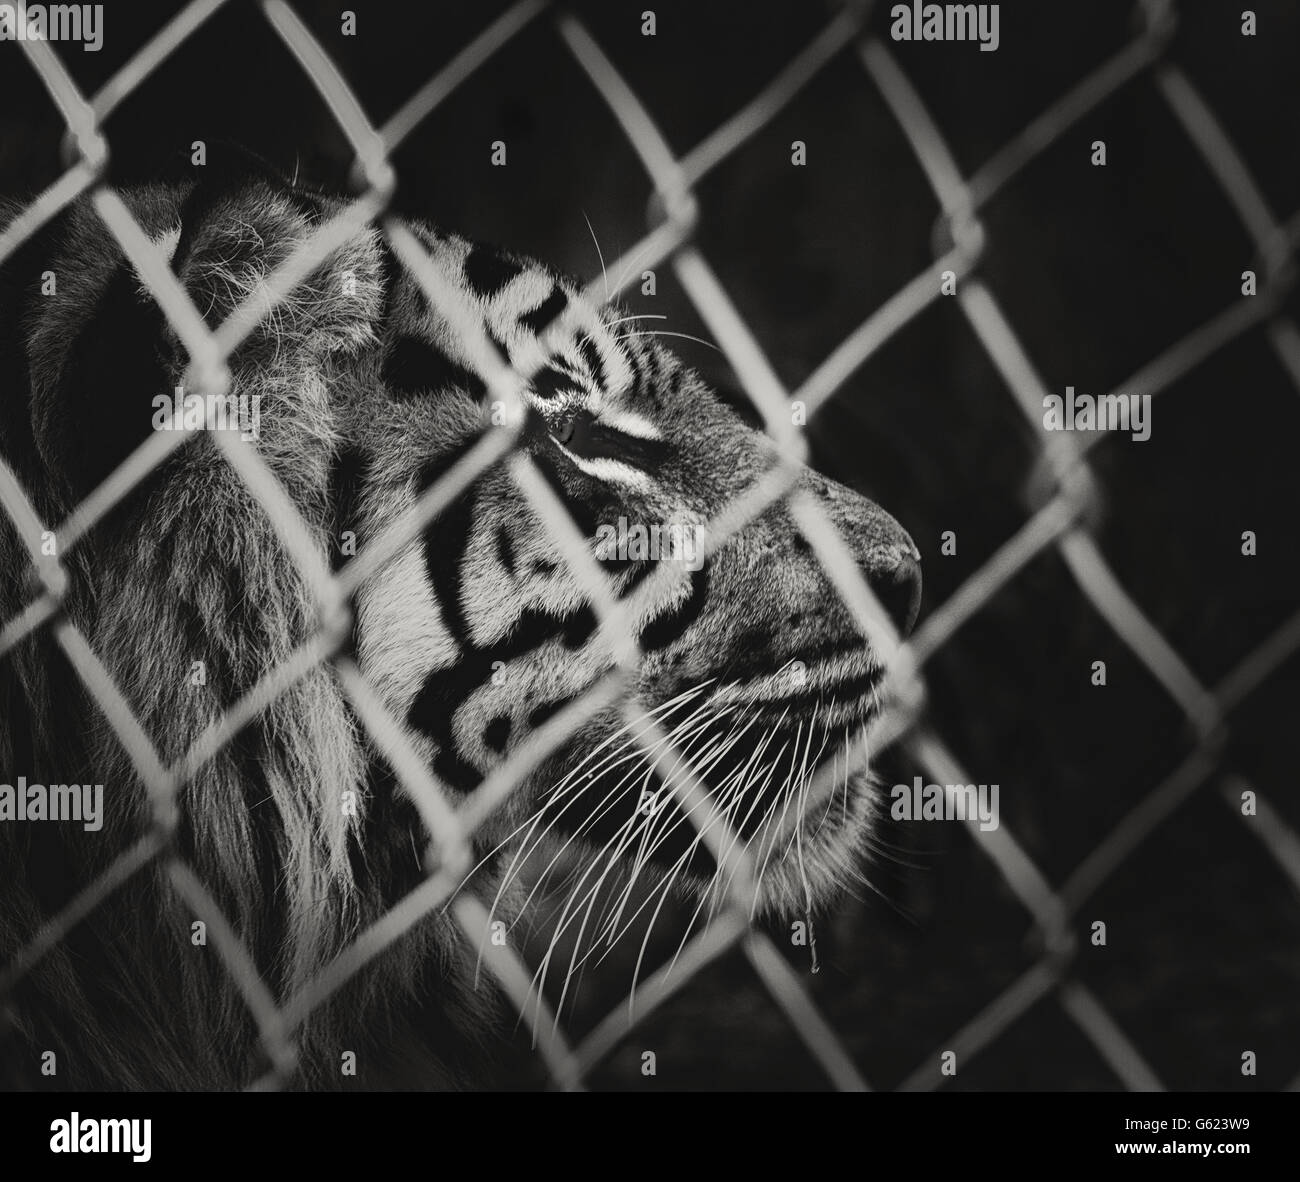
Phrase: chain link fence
(1058, 516)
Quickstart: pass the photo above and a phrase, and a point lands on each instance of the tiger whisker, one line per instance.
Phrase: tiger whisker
(700, 767)
(716, 892)
(664, 891)
(776, 824)
(663, 332)
(771, 801)
(803, 781)
(642, 316)
(611, 863)
(534, 822)
(646, 826)
(604, 275)
(627, 750)
(805, 778)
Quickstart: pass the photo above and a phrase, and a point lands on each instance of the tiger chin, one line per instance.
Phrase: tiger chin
(473, 636)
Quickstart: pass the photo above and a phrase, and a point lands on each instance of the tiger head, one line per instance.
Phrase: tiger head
(748, 674)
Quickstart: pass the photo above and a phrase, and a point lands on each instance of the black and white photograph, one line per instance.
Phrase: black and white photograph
(724, 547)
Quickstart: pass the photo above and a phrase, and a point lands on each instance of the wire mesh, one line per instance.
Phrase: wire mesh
(1057, 519)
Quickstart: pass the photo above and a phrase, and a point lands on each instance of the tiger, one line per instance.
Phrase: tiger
(473, 633)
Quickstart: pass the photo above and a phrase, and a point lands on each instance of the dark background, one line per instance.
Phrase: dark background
(1098, 270)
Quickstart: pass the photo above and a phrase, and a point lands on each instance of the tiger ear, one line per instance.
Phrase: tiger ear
(234, 237)
(97, 350)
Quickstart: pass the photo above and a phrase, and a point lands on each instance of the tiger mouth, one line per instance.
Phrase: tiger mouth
(761, 757)
(848, 699)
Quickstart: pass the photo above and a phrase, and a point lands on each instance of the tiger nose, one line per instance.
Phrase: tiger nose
(895, 578)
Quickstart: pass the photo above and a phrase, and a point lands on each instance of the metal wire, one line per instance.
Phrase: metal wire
(1058, 521)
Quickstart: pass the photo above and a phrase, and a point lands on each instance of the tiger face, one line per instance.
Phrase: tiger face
(746, 660)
